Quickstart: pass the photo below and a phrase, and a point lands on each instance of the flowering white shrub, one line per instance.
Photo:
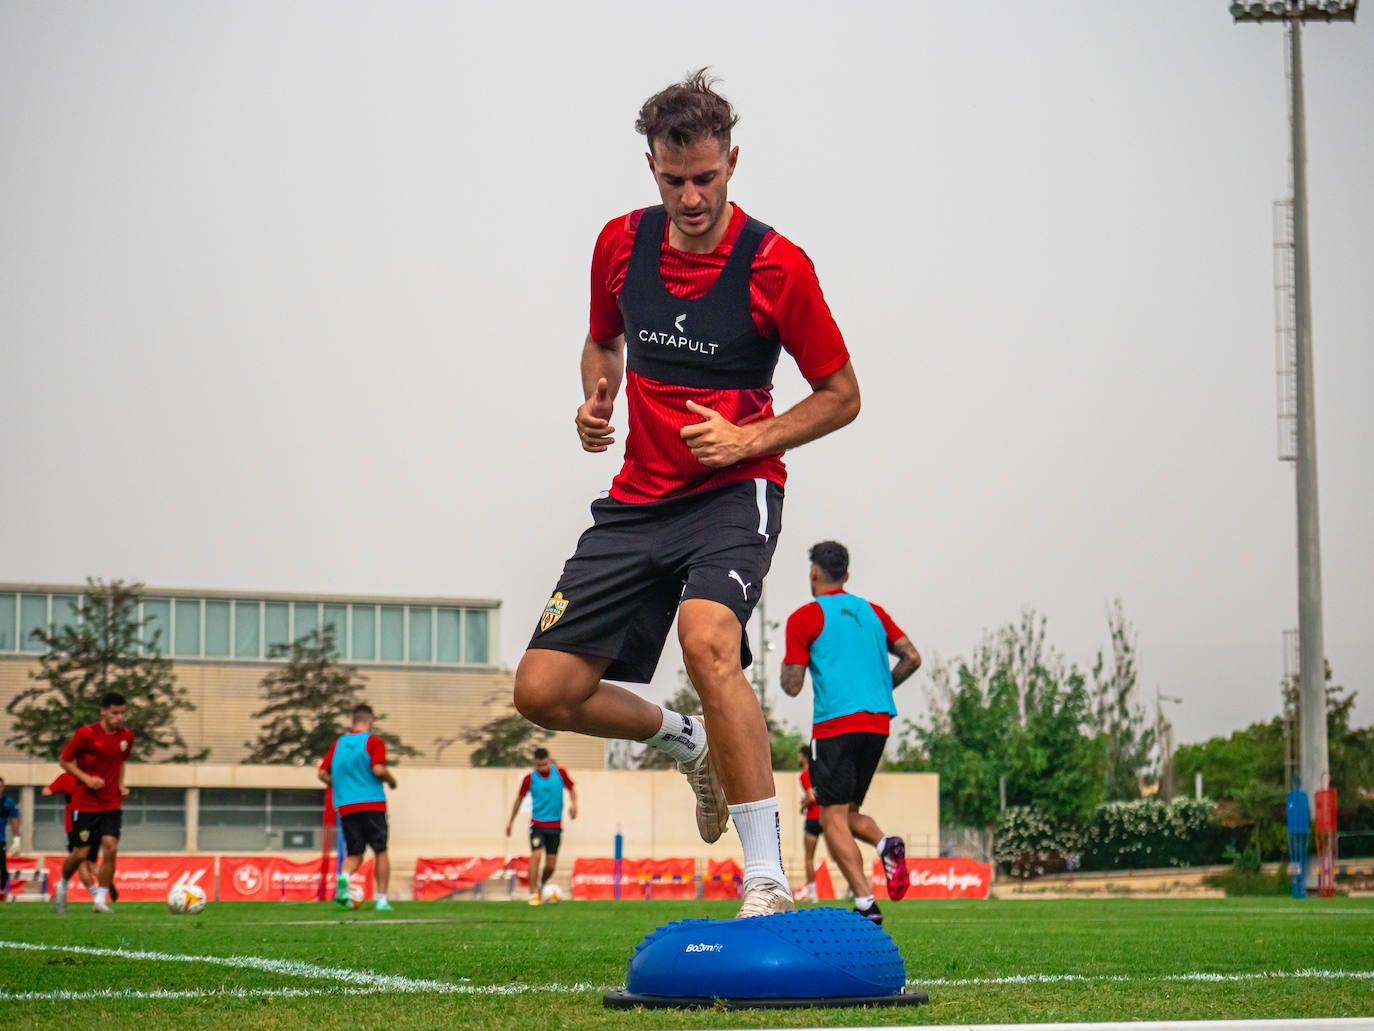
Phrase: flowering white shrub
(1122, 835)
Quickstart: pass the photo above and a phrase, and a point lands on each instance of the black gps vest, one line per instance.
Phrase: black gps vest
(710, 342)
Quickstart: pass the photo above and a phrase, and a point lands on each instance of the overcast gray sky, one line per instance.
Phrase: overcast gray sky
(292, 298)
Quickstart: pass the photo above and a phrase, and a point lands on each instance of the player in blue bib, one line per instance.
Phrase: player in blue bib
(545, 785)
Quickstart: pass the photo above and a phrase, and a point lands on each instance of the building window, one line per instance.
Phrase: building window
(421, 635)
(155, 819)
(363, 641)
(475, 636)
(254, 819)
(66, 610)
(33, 615)
(187, 628)
(216, 629)
(9, 615)
(305, 619)
(49, 823)
(247, 636)
(337, 617)
(393, 633)
(157, 624)
(278, 627)
(449, 635)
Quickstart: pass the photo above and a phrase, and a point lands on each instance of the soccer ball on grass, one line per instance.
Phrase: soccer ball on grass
(186, 898)
(550, 894)
(355, 896)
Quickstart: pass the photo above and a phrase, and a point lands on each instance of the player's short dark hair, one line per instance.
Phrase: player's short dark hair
(833, 559)
(363, 711)
(541, 753)
(111, 698)
(686, 112)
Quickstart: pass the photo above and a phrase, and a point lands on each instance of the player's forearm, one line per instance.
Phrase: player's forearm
(908, 661)
(70, 766)
(793, 677)
(603, 361)
(833, 402)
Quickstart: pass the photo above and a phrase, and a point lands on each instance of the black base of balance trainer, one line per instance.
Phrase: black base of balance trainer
(628, 1001)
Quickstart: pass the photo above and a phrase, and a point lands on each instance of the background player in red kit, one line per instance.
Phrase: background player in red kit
(691, 303)
(95, 756)
(65, 785)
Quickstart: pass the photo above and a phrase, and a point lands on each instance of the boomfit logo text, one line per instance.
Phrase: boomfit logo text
(704, 947)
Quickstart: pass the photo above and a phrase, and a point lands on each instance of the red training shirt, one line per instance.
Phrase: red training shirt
(65, 785)
(98, 754)
(787, 304)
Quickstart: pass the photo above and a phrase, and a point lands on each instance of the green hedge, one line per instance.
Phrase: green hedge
(1137, 835)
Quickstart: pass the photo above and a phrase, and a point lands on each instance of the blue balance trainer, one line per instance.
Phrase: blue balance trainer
(814, 957)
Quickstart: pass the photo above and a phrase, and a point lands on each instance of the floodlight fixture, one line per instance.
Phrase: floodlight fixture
(1294, 10)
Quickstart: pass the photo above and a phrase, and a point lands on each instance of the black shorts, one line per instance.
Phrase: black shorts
(364, 829)
(636, 563)
(842, 767)
(89, 828)
(813, 828)
(547, 838)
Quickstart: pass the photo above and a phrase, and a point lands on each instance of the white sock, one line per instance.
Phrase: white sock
(381, 898)
(680, 737)
(863, 903)
(102, 894)
(881, 842)
(759, 832)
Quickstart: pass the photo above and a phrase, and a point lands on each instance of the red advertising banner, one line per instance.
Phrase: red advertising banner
(520, 866)
(142, 878)
(940, 879)
(273, 879)
(595, 879)
(440, 878)
(723, 879)
(669, 878)
(23, 873)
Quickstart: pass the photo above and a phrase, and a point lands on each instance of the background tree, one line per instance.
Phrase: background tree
(1013, 710)
(506, 740)
(310, 703)
(1118, 719)
(106, 649)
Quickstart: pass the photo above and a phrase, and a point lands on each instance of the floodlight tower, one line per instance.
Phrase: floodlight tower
(1311, 649)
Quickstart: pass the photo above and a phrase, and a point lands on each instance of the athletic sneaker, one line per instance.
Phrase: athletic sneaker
(383, 906)
(713, 813)
(894, 865)
(872, 912)
(763, 897)
(341, 891)
(101, 906)
(534, 900)
(59, 897)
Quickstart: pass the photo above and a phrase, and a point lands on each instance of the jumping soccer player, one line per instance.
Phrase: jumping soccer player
(95, 756)
(355, 767)
(845, 641)
(545, 785)
(691, 303)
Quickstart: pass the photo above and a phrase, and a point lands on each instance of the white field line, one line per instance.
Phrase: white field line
(1263, 975)
(350, 981)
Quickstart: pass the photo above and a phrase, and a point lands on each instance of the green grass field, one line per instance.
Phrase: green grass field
(508, 965)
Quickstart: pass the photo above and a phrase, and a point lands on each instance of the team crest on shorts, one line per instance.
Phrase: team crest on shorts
(553, 611)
